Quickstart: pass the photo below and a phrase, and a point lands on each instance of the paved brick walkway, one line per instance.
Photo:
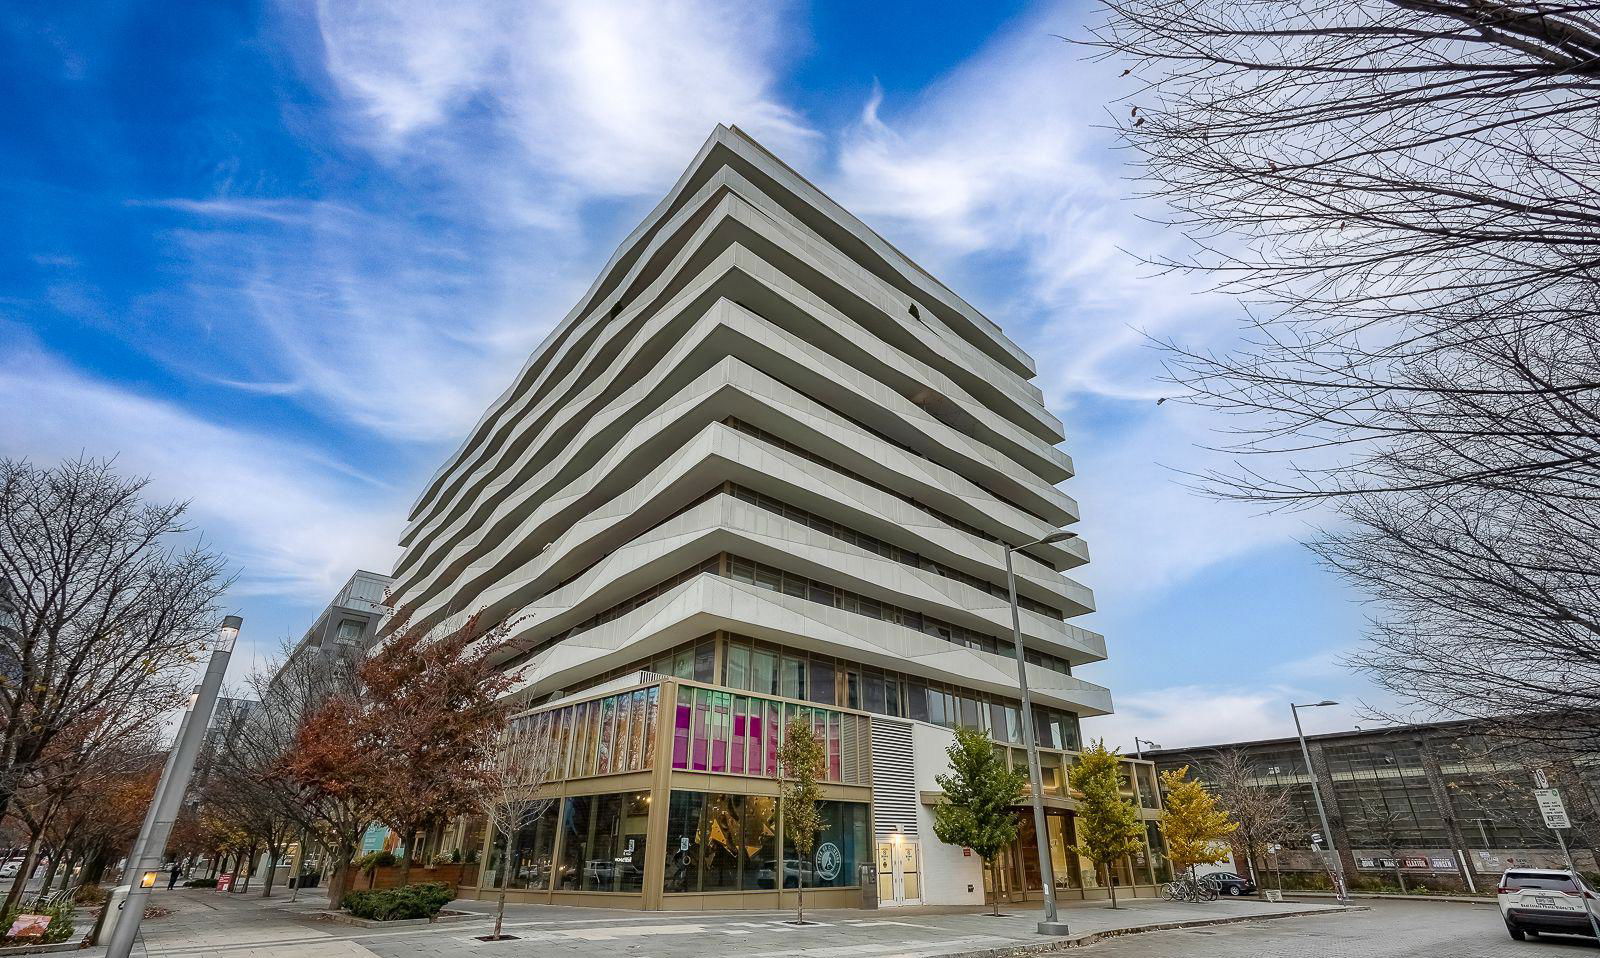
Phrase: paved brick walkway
(207, 924)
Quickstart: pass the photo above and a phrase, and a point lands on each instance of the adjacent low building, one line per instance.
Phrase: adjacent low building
(1448, 804)
(766, 469)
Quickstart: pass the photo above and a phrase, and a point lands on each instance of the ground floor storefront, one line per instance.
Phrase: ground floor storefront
(668, 799)
(1019, 877)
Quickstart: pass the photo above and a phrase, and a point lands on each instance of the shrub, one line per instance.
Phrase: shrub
(60, 924)
(397, 904)
(200, 883)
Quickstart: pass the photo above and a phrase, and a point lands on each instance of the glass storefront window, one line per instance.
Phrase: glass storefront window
(1063, 860)
(720, 729)
(723, 842)
(701, 758)
(472, 832)
(529, 866)
(720, 732)
(603, 845)
(608, 731)
(842, 846)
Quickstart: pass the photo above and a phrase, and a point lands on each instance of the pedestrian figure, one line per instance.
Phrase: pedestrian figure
(172, 880)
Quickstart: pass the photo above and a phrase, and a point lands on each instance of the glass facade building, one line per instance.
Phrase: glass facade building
(1446, 803)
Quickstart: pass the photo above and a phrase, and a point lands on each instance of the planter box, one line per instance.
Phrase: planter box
(389, 877)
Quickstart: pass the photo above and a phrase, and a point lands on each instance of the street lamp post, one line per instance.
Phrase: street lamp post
(145, 862)
(1316, 793)
(1138, 752)
(1052, 925)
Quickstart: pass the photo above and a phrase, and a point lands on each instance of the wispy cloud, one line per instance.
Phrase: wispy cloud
(1000, 178)
(1183, 716)
(605, 96)
(294, 523)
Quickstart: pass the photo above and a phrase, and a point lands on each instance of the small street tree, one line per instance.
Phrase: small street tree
(1191, 822)
(800, 764)
(409, 742)
(1385, 829)
(434, 717)
(525, 763)
(980, 793)
(1261, 810)
(340, 782)
(1108, 824)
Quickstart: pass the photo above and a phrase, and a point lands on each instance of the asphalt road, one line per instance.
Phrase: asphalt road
(1388, 930)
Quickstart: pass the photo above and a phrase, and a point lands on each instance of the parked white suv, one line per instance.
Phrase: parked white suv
(1534, 900)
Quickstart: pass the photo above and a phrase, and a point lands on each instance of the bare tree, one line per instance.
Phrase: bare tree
(1385, 828)
(1259, 807)
(525, 763)
(108, 609)
(1406, 196)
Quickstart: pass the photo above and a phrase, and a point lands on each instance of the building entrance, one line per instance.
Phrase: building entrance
(899, 873)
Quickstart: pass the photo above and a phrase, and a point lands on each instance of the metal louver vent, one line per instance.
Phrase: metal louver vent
(894, 784)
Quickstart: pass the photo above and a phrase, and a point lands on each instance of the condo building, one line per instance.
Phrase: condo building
(766, 468)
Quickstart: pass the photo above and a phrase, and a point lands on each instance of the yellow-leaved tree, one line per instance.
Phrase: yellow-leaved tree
(1192, 822)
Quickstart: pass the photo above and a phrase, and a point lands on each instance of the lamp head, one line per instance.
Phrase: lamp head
(1060, 535)
(229, 632)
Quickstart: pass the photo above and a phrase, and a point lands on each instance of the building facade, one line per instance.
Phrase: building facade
(350, 623)
(765, 469)
(1448, 804)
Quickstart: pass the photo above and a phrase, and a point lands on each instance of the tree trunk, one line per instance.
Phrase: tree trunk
(249, 869)
(94, 869)
(272, 870)
(1111, 883)
(994, 884)
(339, 874)
(1400, 877)
(800, 892)
(500, 904)
(408, 842)
(66, 873)
(50, 873)
(29, 862)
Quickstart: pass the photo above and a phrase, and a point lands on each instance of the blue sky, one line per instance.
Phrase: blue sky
(279, 256)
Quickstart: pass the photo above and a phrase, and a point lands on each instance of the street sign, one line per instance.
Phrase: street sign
(1555, 813)
(1540, 779)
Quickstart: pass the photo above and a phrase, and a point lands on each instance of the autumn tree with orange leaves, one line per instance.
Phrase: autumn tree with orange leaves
(407, 745)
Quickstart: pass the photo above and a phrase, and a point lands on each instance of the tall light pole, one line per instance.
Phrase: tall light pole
(1138, 752)
(1052, 925)
(145, 862)
(1316, 793)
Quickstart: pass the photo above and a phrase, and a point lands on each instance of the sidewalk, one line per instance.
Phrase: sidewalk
(208, 924)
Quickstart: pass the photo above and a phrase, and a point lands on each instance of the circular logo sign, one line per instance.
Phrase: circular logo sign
(828, 861)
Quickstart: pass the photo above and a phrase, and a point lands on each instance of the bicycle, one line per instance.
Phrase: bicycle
(1189, 889)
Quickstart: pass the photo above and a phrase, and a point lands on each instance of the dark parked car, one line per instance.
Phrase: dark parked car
(1230, 884)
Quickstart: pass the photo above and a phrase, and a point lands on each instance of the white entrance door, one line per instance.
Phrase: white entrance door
(899, 873)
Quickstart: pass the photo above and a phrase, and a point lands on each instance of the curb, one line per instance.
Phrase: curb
(1374, 896)
(1079, 941)
(444, 918)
